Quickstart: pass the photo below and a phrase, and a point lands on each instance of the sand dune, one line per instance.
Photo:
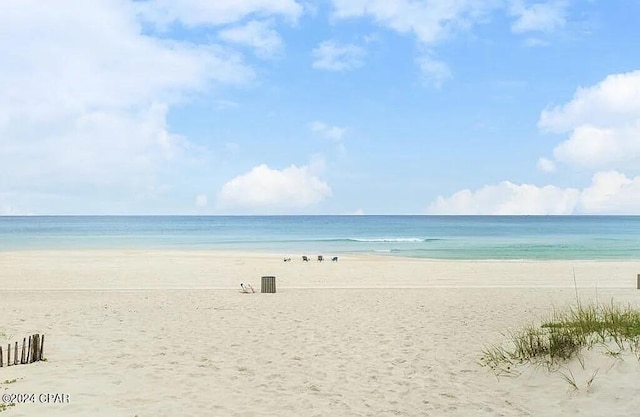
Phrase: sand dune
(152, 333)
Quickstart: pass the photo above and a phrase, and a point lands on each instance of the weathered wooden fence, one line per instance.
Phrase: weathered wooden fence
(31, 351)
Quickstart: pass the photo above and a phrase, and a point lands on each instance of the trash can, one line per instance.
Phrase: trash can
(268, 284)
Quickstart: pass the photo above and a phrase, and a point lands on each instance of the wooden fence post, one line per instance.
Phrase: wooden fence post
(36, 344)
(639, 281)
(24, 347)
(0, 356)
(41, 348)
(15, 355)
(33, 348)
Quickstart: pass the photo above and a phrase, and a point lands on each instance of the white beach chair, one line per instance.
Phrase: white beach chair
(247, 288)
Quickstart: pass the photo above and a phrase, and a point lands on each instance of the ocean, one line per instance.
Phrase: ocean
(437, 237)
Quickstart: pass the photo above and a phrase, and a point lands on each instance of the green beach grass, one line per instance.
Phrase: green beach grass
(565, 335)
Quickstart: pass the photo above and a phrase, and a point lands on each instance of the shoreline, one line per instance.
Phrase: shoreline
(170, 269)
(296, 255)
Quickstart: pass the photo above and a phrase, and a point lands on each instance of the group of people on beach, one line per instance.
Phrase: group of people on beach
(306, 258)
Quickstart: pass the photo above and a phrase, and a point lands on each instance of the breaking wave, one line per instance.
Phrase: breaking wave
(392, 239)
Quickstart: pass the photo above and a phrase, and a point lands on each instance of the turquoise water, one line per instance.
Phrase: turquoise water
(440, 237)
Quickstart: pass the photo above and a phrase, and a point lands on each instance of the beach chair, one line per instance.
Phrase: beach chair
(320, 258)
(334, 259)
(247, 288)
(305, 259)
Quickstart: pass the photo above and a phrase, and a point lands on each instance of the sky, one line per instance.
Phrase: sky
(319, 107)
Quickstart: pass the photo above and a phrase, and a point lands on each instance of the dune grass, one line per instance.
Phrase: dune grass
(565, 335)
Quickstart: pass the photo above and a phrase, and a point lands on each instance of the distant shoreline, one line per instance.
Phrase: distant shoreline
(296, 256)
(152, 269)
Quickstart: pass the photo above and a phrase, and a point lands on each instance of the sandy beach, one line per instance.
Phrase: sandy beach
(167, 333)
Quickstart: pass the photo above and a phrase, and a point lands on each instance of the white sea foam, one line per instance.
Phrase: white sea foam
(390, 239)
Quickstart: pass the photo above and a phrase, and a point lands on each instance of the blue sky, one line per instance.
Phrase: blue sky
(320, 107)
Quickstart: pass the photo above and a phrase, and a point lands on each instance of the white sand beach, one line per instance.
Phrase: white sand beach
(167, 333)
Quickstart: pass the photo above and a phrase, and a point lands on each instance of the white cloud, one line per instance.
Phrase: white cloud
(603, 122)
(433, 21)
(610, 192)
(257, 35)
(604, 125)
(89, 112)
(111, 65)
(594, 147)
(430, 21)
(334, 133)
(508, 198)
(105, 148)
(436, 72)
(208, 12)
(265, 189)
(546, 165)
(542, 17)
(333, 56)
(612, 102)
